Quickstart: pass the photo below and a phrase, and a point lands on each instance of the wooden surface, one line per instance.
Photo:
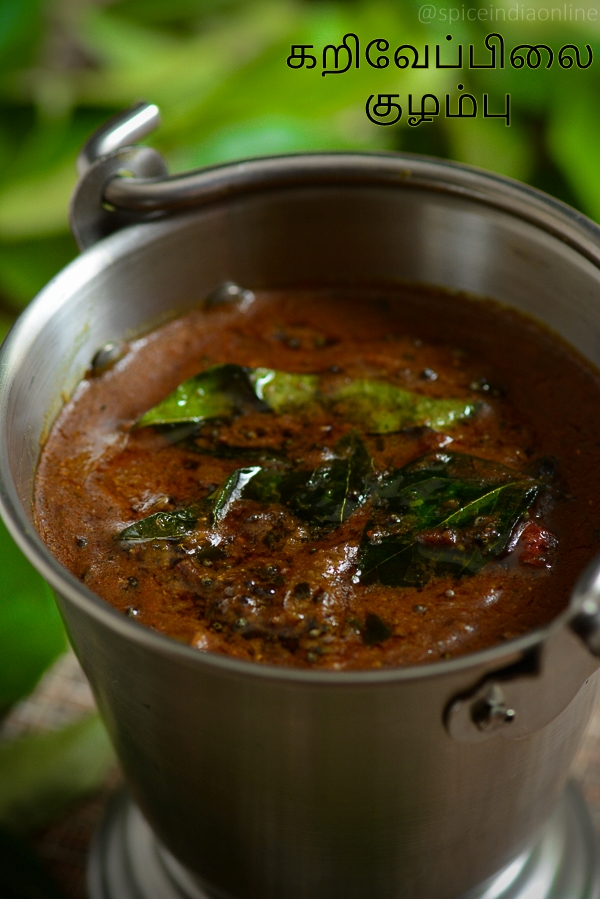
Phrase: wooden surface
(64, 695)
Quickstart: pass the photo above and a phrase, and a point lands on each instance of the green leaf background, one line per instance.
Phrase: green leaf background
(217, 69)
(31, 632)
(44, 773)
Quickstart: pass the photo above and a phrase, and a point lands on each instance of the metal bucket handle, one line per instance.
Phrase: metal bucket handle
(121, 184)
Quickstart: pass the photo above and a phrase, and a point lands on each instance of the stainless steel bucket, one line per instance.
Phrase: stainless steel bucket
(416, 783)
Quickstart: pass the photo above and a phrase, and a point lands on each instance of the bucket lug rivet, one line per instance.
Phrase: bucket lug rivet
(107, 356)
(228, 292)
(491, 712)
(480, 715)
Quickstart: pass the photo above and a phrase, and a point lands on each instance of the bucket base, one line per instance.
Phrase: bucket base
(127, 861)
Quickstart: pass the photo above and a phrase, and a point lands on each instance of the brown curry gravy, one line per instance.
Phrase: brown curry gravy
(296, 598)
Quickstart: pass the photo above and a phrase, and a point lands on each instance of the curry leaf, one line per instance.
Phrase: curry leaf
(226, 390)
(323, 497)
(445, 513)
(231, 491)
(382, 408)
(223, 391)
(375, 630)
(263, 485)
(163, 525)
(272, 485)
(219, 392)
(336, 489)
(281, 390)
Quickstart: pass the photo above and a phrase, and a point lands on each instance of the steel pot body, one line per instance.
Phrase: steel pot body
(276, 784)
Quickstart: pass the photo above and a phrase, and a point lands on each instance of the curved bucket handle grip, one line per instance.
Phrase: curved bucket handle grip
(108, 155)
(122, 130)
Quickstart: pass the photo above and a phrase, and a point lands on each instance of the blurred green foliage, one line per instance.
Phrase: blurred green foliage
(31, 632)
(44, 773)
(217, 69)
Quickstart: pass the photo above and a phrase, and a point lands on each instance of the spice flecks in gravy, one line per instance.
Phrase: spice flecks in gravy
(310, 526)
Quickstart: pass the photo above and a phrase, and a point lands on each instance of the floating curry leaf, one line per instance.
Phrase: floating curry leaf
(283, 391)
(446, 513)
(382, 408)
(323, 497)
(224, 391)
(275, 486)
(233, 489)
(210, 553)
(219, 392)
(375, 630)
(336, 489)
(263, 485)
(163, 525)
